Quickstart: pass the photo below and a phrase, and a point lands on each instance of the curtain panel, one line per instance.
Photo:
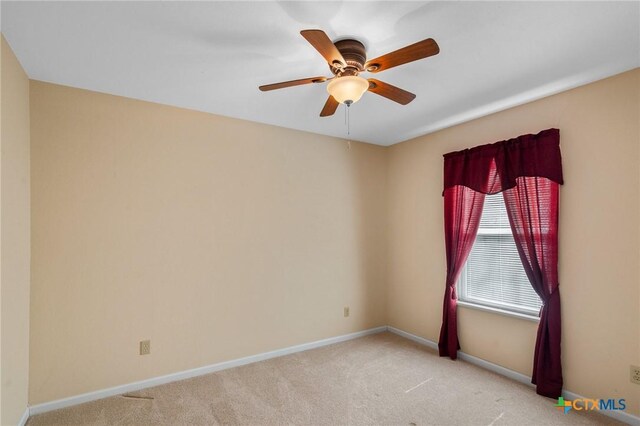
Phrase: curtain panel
(463, 209)
(528, 172)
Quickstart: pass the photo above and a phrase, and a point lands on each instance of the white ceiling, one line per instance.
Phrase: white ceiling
(212, 56)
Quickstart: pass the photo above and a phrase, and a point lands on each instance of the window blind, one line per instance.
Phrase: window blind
(493, 274)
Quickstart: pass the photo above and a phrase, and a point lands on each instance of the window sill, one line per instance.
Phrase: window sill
(532, 318)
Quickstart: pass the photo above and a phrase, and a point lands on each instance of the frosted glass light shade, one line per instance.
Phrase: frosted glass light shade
(348, 89)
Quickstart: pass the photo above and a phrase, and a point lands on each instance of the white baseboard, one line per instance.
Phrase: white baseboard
(24, 418)
(417, 339)
(143, 384)
(513, 375)
(156, 381)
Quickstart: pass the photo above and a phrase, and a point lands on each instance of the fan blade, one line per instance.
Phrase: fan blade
(324, 46)
(291, 83)
(389, 91)
(330, 107)
(420, 50)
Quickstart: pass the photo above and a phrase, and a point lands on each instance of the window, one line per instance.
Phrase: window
(493, 275)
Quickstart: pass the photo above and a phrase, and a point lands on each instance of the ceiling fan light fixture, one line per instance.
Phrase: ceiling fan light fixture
(347, 89)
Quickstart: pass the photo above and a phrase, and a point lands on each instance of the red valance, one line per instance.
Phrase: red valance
(494, 168)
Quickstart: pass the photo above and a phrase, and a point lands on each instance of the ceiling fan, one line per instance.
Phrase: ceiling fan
(347, 59)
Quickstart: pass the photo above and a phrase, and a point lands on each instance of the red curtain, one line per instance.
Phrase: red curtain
(532, 207)
(496, 167)
(528, 170)
(462, 211)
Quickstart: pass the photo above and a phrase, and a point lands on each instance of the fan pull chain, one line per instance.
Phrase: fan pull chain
(348, 121)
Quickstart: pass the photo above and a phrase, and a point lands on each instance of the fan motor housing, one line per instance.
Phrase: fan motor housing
(354, 53)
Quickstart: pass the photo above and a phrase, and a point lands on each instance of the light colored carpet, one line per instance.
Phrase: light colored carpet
(381, 379)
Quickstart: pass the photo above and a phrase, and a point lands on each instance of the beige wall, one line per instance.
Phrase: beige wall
(215, 238)
(599, 237)
(14, 238)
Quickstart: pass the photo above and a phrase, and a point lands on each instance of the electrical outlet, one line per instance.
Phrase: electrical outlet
(635, 374)
(145, 347)
(346, 311)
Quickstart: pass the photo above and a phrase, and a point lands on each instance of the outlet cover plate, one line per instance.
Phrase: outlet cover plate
(145, 347)
(635, 374)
